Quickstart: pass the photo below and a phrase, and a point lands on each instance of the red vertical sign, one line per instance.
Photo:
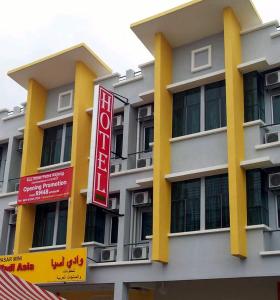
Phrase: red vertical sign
(103, 112)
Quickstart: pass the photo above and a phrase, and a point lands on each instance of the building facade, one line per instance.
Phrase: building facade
(194, 208)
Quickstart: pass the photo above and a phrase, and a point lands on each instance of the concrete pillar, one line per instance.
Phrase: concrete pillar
(124, 221)
(120, 291)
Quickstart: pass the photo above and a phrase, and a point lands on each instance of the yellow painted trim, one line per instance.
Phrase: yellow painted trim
(31, 160)
(162, 131)
(81, 136)
(235, 134)
(165, 13)
(54, 55)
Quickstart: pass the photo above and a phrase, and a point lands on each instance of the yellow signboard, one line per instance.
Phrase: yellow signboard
(46, 267)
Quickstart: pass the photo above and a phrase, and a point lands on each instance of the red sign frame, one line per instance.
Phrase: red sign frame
(101, 143)
(44, 187)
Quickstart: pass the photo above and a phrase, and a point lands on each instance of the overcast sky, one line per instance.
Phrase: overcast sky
(31, 29)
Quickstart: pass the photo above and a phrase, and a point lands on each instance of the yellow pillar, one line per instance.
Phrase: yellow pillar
(161, 156)
(235, 134)
(31, 160)
(83, 99)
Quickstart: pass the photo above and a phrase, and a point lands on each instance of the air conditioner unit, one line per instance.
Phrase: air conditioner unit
(141, 198)
(12, 219)
(20, 145)
(272, 79)
(140, 252)
(144, 162)
(118, 121)
(113, 203)
(274, 181)
(108, 254)
(16, 187)
(145, 111)
(115, 168)
(272, 137)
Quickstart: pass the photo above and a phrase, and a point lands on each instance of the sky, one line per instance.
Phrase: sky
(32, 29)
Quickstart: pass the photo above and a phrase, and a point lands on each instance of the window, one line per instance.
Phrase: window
(118, 143)
(57, 144)
(276, 109)
(215, 105)
(101, 227)
(254, 97)
(11, 217)
(201, 59)
(216, 202)
(257, 198)
(148, 137)
(65, 101)
(186, 112)
(95, 224)
(50, 224)
(185, 207)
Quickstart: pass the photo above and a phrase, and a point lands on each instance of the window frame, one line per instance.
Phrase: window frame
(272, 107)
(60, 95)
(200, 50)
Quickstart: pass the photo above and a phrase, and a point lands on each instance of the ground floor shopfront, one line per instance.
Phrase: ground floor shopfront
(214, 289)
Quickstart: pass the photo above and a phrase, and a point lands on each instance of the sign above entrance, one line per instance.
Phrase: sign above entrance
(101, 147)
(47, 267)
(48, 186)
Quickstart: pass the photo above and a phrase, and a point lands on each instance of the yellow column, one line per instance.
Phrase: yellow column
(235, 134)
(83, 99)
(161, 156)
(31, 160)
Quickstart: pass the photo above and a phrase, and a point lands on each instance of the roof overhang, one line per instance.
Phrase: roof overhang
(193, 21)
(59, 68)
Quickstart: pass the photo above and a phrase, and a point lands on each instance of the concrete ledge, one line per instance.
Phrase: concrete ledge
(55, 166)
(198, 134)
(275, 34)
(55, 121)
(254, 123)
(259, 27)
(13, 116)
(259, 64)
(121, 263)
(262, 162)
(198, 232)
(46, 248)
(149, 63)
(270, 253)
(107, 77)
(196, 81)
(197, 173)
(266, 146)
(145, 182)
(132, 171)
(8, 194)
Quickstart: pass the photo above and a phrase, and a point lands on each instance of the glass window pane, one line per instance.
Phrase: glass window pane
(62, 223)
(95, 224)
(257, 198)
(193, 111)
(215, 105)
(148, 138)
(179, 115)
(216, 202)
(44, 225)
(119, 144)
(68, 142)
(51, 146)
(114, 229)
(147, 224)
(276, 109)
(185, 209)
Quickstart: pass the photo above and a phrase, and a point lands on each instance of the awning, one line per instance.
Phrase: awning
(14, 288)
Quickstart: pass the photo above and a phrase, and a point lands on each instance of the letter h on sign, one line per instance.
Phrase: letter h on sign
(100, 153)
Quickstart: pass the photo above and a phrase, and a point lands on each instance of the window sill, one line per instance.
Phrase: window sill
(55, 121)
(121, 263)
(88, 244)
(8, 194)
(259, 226)
(45, 248)
(266, 146)
(54, 166)
(198, 232)
(198, 134)
(270, 253)
(132, 171)
(254, 123)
